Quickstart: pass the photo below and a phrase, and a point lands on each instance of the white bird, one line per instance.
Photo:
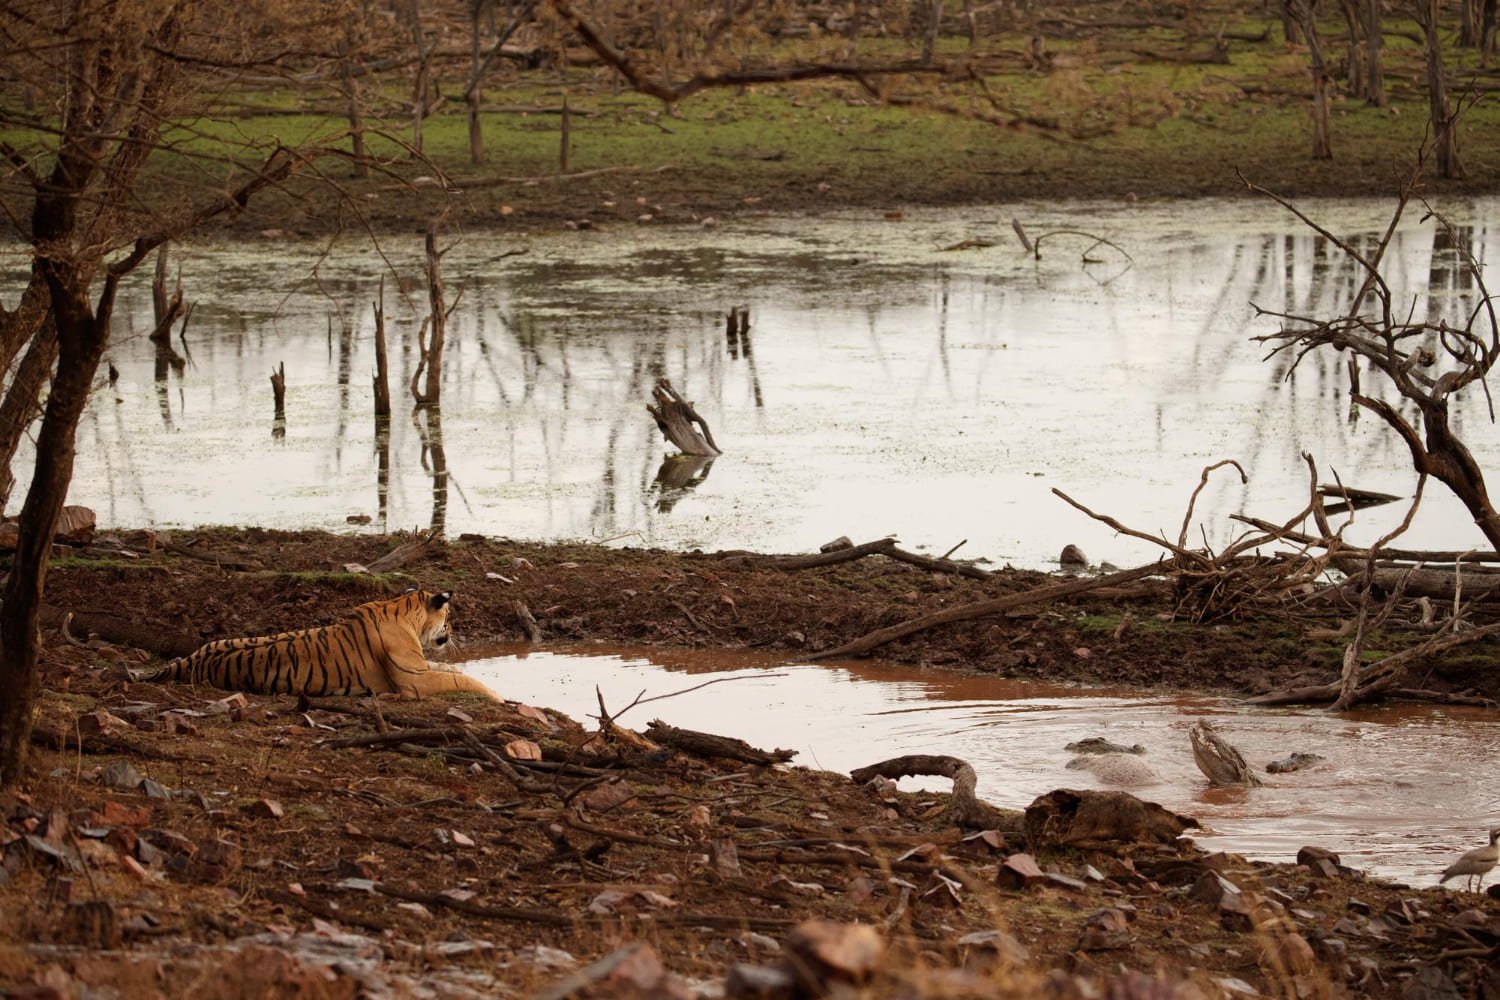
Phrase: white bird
(1476, 863)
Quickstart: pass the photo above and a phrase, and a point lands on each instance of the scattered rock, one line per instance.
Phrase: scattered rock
(1100, 819)
(523, 750)
(1322, 861)
(100, 721)
(1106, 930)
(841, 542)
(265, 809)
(121, 775)
(988, 950)
(1019, 871)
(76, 525)
(820, 951)
(1212, 888)
(759, 982)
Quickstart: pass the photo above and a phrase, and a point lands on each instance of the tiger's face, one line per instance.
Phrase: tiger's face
(435, 632)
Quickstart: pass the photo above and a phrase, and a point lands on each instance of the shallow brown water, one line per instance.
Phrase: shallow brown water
(1403, 790)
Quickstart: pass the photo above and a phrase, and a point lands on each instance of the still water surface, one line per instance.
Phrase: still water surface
(885, 386)
(1403, 790)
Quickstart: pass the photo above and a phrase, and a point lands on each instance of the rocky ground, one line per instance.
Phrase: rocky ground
(173, 840)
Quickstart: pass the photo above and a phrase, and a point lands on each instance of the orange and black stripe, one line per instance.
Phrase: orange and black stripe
(347, 658)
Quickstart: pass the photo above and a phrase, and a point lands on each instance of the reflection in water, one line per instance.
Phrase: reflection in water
(677, 477)
(383, 472)
(942, 395)
(428, 420)
(1396, 794)
(165, 361)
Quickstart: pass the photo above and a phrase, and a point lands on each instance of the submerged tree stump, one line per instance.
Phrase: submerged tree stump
(278, 389)
(675, 417)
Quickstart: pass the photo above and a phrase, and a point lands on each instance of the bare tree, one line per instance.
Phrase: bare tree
(1304, 13)
(111, 75)
(433, 334)
(1445, 135)
(1426, 361)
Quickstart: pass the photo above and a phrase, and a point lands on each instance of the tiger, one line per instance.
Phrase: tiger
(377, 650)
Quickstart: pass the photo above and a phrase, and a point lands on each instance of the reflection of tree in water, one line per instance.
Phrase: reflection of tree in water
(428, 421)
(166, 360)
(383, 471)
(678, 476)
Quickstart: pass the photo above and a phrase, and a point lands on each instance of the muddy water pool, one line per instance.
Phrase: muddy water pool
(1402, 791)
(886, 385)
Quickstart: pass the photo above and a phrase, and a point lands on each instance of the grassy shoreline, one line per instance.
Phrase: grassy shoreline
(1121, 129)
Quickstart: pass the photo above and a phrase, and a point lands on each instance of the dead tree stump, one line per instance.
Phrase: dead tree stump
(433, 334)
(675, 418)
(278, 390)
(382, 380)
(165, 307)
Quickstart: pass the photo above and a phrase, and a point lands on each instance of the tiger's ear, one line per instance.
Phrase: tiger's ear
(438, 600)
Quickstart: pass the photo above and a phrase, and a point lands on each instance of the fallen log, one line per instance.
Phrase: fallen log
(879, 546)
(938, 565)
(993, 606)
(967, 809)
(126, 630)
(1378, 677)
(710, 745)
(406, 552)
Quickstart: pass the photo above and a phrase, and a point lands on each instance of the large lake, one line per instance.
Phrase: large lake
(886, 386)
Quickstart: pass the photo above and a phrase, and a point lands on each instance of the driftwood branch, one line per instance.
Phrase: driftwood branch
(709, 745)
(676, 418)
(967, 810)
(425, 543)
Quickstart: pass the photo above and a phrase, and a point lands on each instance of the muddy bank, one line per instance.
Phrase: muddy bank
(172, 839)
(228, 582)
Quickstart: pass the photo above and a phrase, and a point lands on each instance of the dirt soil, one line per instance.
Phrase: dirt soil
(174, 840)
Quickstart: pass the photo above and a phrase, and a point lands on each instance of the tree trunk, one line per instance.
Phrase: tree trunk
(1445, 136)
(432, 351)
(351, 92)
(934, 26)
(382, 368)
(471, 92)
(81, 338)
(424, 73)
(1289, 24)
(22, 402)
(1305, 14)
(1468, 24)
(1487, 33)
(1355, 52)
(1375, 84)
(19, 325)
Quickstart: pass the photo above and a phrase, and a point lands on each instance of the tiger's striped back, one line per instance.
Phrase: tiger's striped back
(348, 658)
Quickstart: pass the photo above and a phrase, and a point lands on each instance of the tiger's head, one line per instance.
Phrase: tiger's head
(435, 632)
(425, 612)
